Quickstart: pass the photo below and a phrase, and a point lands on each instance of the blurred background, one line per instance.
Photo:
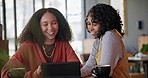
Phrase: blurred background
(14, 14)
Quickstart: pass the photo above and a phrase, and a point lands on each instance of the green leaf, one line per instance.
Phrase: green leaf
(144, 48)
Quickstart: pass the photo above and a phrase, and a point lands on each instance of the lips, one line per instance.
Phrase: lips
(50, 32)
(93, 34)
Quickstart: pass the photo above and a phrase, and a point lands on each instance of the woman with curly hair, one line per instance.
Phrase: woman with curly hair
(105, 25)
(45, 39)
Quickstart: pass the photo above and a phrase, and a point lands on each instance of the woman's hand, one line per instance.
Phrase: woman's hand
(39, 70)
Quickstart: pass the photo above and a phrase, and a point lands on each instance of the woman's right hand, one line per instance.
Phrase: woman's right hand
(39, 70)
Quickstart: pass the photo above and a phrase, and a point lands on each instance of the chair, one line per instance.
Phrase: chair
(88, 43)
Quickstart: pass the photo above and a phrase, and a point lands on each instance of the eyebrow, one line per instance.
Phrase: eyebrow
(94, 21)
(46, 20)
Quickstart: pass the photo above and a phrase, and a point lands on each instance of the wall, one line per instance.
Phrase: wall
(135, 10)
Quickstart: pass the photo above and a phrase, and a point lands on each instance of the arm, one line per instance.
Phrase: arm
(91, 62)
(12, 63)
(111, 50)
(21, 59)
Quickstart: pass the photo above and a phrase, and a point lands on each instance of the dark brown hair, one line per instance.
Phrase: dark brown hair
(107, 17)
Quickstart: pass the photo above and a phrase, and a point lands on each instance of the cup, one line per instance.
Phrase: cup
(101, 71)
(16, 72)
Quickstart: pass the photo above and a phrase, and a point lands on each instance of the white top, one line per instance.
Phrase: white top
(111, 52)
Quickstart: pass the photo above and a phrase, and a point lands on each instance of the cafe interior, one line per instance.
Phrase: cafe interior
(14, 14)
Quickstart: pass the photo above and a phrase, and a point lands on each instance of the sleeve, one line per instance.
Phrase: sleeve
(71, 55)
(12, 63)
(19, 60)
(91, 62)
(111, 50)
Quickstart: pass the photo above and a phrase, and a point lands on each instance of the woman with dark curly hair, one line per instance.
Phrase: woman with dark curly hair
(105, 25)
(45, 39)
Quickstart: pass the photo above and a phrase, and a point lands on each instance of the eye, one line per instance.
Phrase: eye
(44, 24)
(95, 24)
(54, 22)
(88, 23)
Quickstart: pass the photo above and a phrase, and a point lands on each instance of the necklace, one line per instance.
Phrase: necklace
(46, 52)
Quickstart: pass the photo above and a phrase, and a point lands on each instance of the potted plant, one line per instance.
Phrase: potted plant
(4, 57)
(144, 49)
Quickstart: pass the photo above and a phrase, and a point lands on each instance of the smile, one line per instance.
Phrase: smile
(50, 32)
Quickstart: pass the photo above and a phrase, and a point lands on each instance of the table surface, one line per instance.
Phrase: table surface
(138, 58)
(142, 60)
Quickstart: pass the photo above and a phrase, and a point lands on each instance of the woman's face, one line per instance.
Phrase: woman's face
(49, 26)
(93, 27)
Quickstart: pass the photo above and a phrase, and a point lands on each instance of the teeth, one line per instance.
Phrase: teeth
(50, 32)
(92, 33)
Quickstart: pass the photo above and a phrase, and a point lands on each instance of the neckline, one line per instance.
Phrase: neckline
(46, 53)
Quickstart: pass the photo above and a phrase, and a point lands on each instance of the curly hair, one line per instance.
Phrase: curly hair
(32, 31)
(107, 17)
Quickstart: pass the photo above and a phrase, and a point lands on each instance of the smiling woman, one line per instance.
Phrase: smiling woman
(105, 25)
(25, 8)
(45, 39)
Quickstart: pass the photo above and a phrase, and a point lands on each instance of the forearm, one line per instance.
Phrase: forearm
(10, 65)
(86, 69)
(91, 62)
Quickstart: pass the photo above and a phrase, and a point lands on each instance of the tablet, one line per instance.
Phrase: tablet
(61, 70)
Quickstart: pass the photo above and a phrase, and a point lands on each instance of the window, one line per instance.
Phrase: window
(1, 12)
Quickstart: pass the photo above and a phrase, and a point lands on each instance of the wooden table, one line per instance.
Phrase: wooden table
(143, 61)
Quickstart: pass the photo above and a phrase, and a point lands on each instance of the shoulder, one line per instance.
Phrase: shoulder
(27, 44)
(110, 36)
(63, 45)
(62, 42)
(24, 50)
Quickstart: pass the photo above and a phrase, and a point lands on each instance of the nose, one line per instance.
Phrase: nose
(50, 26)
